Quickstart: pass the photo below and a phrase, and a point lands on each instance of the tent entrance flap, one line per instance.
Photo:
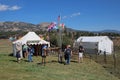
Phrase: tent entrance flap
(90, 47)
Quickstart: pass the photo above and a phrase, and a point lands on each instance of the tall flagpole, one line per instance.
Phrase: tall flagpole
(60, 41)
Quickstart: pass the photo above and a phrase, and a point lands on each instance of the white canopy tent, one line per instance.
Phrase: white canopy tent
(31, 38)
(96, 43)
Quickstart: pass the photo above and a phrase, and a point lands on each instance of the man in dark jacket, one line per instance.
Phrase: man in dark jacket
(67, 54)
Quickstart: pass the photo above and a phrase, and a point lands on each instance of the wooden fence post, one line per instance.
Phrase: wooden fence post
(97, 57)
(114, 57)
(105, 60)
(90, 56)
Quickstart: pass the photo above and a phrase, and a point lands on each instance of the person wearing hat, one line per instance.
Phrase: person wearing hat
(67, 54)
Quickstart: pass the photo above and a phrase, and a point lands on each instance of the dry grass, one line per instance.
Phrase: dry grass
(11, 70)
(5, 46)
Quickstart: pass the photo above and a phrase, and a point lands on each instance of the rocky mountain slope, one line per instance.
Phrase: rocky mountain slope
(22, 26)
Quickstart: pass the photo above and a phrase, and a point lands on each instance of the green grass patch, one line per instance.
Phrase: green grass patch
(88, 70)
(11, 70)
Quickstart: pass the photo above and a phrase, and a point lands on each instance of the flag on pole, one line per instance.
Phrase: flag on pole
(58, 18)
(61, 26)
(52, 26)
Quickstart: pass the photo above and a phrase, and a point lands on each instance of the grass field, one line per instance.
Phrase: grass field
(5, 46)
(110, 65)
(11, 70)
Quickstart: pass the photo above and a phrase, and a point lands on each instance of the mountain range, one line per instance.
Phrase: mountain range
(23, 26)
(112, 31)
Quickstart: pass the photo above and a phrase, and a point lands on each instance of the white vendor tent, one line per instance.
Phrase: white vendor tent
(95, 44)
(31, 38)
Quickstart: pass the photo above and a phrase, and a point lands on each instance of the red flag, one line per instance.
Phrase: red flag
(63, 25)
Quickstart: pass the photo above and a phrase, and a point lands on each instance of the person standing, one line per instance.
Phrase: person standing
(18, 56)
(44, 53)
(25, 50)
(18, 50)
(30, 53)
(67, 54)
(80, 54)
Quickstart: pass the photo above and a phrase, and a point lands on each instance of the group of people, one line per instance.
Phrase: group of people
(68, 54)
(28, 51)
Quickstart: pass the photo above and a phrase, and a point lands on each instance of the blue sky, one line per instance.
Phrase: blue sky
(91, 15)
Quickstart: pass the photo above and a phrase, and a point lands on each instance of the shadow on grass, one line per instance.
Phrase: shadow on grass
(74, 61)
(25, 60)
(13, 60)
(39, 63)
(53, 61)
(11, 54)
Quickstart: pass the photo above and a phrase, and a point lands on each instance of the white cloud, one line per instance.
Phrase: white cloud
(14, 7)
(7, 7)
(72, 15)
(75, 14)
(3, 7)
(64, 17)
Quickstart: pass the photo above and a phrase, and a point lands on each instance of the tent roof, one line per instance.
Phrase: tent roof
(31, 38)
(92, 38)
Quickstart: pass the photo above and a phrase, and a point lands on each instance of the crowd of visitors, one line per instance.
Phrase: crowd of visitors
(28, 52)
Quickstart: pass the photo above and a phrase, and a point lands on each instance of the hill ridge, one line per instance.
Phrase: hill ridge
(25, 26)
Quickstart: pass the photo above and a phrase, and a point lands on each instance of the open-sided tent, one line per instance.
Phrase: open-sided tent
(31, 38)
(95, 44)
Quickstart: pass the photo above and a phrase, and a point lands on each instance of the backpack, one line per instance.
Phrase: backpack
(67, 51)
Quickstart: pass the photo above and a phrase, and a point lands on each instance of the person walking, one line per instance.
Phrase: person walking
(67, 54)
(80, 54)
